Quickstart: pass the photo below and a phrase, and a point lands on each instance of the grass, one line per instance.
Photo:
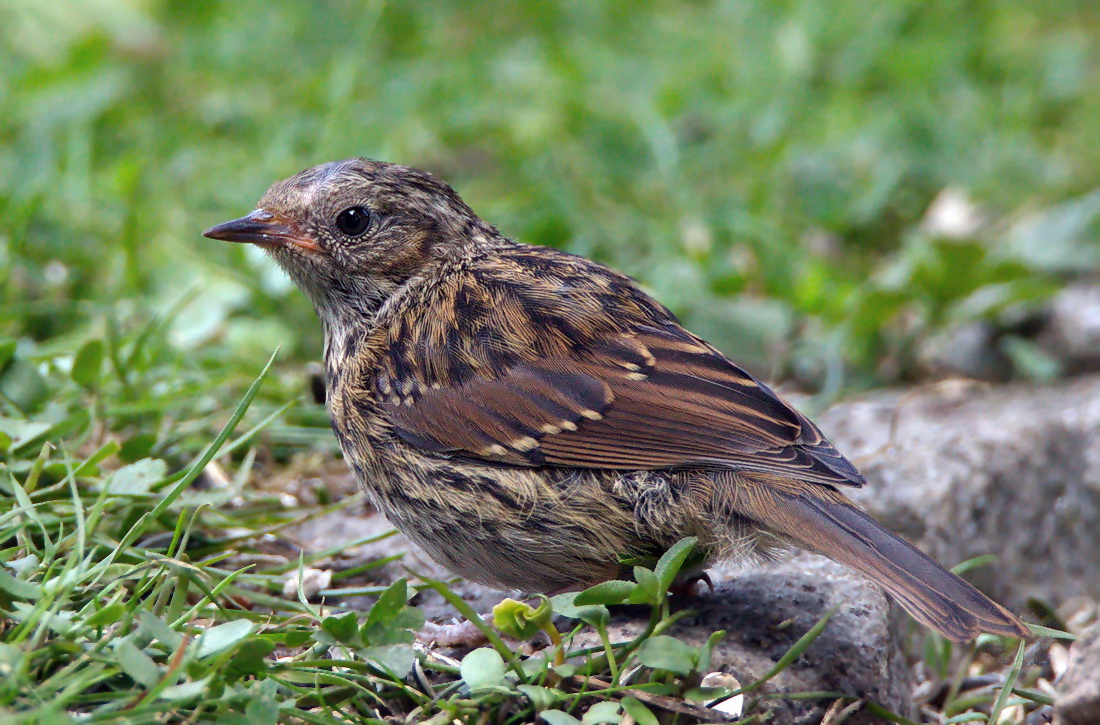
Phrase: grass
(766, 169)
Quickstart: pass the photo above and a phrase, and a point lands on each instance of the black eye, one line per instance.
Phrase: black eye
(353, 221)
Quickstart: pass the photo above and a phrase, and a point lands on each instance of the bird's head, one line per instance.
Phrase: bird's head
(350, 233)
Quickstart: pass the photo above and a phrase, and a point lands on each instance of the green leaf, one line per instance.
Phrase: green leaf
(17, 588)
(389, 603)
(567, 670)
(223, 636)
(343, 627)
(615, 591)
(482, 668)
(185, 691)
(24, 566)
(668, 653)
(596, 616)
(156, 628)
(390, 619)
(602, 712)
(136, 479)
(708, 648)
(648, 590)
(1030, 360)
(250, 658)
(409, 618)
(521, 620)
(669, 564)
(7, 352)
(25, 385)
(107, 615)
(541, 697)
(397, 658)
(264, 708)
(22, 431)
(135, 663)
(1040, 631)
(557, 717)
(137, 447)
(564, 604)
(1010, 681)
(641, 714)
(88, 364)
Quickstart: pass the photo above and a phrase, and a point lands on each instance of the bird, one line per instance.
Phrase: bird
(532, 419)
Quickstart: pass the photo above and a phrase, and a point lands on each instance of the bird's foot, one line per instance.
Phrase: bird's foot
(686, 587)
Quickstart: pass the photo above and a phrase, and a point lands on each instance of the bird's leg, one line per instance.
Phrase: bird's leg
(685, 587)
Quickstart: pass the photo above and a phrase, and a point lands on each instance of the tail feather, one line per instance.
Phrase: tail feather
(838, 529)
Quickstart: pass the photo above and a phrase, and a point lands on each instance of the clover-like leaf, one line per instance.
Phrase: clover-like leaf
(484, 667)
(668, 653)
(137, 478)
(250, 658)
(223, 636)
(135, 663)
(389, 603)
(641, 714)
(396, 658)
(390, 619)
(342, 628)
(603, 712)
(542, 697)
(156, 628)
(88, 364)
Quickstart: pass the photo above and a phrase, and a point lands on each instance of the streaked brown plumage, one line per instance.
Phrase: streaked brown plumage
(529, 417)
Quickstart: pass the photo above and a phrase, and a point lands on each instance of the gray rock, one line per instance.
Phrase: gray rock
(1071, 333)
(1078, 698)
(969, 350)
(963, 470)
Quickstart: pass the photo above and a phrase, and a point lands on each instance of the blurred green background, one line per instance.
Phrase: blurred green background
(766, 169)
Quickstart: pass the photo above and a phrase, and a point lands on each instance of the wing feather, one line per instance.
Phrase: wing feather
(652, 397)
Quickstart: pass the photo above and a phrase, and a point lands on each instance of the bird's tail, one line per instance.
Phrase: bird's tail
(827, 523)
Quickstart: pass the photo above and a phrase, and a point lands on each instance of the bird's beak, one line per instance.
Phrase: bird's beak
(263, 228)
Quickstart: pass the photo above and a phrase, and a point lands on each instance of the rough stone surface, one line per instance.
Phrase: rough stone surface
(969, 351)
(1078, 698)
(1071, 333)
(963, 470)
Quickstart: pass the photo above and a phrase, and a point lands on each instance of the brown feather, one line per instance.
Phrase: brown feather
(647, 398)
(833, 526)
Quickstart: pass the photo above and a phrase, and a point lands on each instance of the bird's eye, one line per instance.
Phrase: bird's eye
(353, 221)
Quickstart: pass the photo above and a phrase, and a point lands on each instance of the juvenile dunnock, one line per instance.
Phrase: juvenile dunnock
(530, 417)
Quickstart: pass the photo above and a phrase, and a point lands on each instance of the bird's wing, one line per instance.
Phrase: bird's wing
(650, 396)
